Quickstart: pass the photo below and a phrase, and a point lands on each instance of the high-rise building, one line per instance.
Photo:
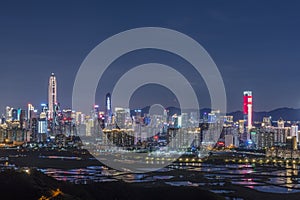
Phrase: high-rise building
(229, 140)
(52, 96)
(42, 128)
(8, 113)
(248, 108)
(30, 111)
(122, 116)
(108, 111)
(14, 114)
(185, 120)
(89, 127)
(108, 104)
(267, 121)
(280, 123)
(294, 131)
(22, 118)
(194, 118)
(241, 126)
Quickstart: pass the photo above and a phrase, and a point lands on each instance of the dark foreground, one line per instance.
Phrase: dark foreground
(33, 184)
(19, 185)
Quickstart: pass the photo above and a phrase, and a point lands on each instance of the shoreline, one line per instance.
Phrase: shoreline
(34, 160)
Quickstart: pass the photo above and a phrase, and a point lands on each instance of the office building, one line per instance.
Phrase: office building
(248, 109)
(52, 96)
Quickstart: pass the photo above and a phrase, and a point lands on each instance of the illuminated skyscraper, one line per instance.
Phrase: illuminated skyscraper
(52, 96)
(30, 111)
(9, 113)
(108, 111)
(122, 117)
(248, 108)
(294, 131)
(108, 104)
(42, 128)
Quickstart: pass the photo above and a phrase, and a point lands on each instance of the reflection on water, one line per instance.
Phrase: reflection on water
(245, 183)
(92, 174)
(271, 179)
(182, 183)
(221, 191)
(162, 177)
(273, 189)
(83, 175)
(61, 157)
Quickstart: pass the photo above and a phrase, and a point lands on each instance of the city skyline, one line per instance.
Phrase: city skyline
(149, 99)
(106, 103)
(251, 48)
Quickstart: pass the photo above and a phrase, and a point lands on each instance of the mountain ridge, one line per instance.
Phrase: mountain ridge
(286, 113)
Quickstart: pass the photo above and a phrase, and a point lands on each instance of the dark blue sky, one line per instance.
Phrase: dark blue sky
(255, 45)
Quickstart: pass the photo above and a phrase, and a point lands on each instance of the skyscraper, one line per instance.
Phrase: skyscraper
(52, 96)
(108, 111)
(248, 108)
(108, 104)
(294, 131)
(29, 111)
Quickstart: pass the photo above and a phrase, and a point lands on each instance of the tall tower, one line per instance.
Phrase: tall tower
(108, 104)
(52, 96)
(248, 108)
(108, 112)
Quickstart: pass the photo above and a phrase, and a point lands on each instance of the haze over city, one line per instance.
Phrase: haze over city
(254, 44)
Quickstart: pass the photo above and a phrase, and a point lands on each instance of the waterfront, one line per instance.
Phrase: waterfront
(228, 179)
(268, 179)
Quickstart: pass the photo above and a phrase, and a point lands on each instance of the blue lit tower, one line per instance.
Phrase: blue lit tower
(108, 111)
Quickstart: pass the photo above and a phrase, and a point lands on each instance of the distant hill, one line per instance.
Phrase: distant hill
(172, 110)
(285, 113)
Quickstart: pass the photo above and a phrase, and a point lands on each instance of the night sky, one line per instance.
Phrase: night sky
(255, 44)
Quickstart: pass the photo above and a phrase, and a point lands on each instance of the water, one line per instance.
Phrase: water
(273, 189)
(221, 191)
(182, 183)
(270, 179)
